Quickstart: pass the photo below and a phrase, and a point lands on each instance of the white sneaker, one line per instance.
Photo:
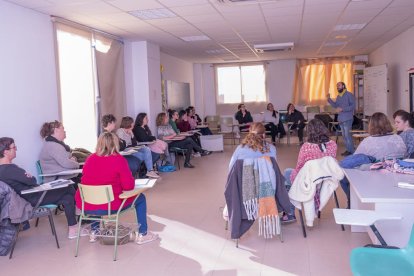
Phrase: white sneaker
(152, 174)
(93, 235)
(73, 234)
(149, 237)
(196, 154)
(237, 135)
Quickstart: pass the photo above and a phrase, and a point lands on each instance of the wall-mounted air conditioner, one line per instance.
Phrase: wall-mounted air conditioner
(273, 47)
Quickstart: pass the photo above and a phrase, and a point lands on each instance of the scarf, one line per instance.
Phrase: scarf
(53, 139)
(258, 194)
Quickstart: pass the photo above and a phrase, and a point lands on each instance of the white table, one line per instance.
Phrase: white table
(377, 190)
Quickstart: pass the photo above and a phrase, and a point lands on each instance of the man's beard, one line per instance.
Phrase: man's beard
(340, 90)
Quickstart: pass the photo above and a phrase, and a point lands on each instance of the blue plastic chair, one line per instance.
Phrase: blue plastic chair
(41, 180)
(383, 261)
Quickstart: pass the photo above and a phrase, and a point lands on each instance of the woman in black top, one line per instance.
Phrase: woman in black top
(143, 134)
(243, 116)
(19, 180)
(296, 117)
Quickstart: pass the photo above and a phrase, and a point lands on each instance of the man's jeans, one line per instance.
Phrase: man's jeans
(346, 133)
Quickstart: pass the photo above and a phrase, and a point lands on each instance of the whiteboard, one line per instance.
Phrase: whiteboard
(375, 90)
(178, 95)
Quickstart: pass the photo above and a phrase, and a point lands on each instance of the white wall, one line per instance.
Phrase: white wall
(398, 54)
(28, 79)
(143, 80)
(178, 70)
(280, 77)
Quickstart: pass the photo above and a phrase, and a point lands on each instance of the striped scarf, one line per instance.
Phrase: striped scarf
(258, 193)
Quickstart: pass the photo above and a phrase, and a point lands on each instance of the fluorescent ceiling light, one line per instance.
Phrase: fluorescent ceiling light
(216, 51)
(153, 14)
(334, 43)
(347, 27)
(195, 38)
(340, 37)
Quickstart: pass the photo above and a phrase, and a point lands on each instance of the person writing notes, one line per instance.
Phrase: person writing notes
(345, 106)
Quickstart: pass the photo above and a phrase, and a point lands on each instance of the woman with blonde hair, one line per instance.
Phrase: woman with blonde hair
(254, 145)
(107, 167)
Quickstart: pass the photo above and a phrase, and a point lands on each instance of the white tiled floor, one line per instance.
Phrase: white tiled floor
(184, 208)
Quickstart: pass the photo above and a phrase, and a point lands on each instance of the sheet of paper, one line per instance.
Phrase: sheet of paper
(145, 183)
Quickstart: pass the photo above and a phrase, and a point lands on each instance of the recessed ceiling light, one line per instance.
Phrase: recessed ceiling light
(195, 38)
(340, 36)
(347, 27)
(334, 43)
(216, 51)
(153, 14)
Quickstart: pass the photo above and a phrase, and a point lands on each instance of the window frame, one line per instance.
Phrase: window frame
(216, 66)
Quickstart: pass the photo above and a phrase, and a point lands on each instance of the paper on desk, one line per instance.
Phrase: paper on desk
(127, 152)
(144, 183)
(67, 172)
(56, 184)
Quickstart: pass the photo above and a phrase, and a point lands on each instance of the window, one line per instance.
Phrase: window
(316, 78)
(77, 87)
(236, 84)
(91, 82)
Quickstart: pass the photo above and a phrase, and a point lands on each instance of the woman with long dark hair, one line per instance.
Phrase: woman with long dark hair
(317, 146)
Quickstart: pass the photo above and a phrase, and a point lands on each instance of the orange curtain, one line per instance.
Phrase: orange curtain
(315, 78)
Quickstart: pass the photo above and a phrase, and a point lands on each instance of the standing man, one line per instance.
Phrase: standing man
(345, 106)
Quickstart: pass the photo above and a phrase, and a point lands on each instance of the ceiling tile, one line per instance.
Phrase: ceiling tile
(179, 3)
(133, 5)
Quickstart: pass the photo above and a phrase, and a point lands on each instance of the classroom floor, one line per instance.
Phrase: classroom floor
(184, 208)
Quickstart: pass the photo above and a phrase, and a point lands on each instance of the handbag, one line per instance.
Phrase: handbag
(158, 147)
(167, 168)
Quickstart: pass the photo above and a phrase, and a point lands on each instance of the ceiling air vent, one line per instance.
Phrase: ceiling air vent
(274, 47)
(245, 1)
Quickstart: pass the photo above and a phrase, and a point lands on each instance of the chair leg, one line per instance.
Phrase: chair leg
(226, 225)
(280, 227)
(116, 239)
(77, 239)
(37, 222)
(52, 225)
(319, 214)
(15, 241)
(177, 159)
(302, 222)
(337, 206)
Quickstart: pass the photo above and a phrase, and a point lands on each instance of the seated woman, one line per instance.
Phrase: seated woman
(195, 120)
(404, 122)
(173, 115)
(19, 180)
(254, 145)
(166, 133)
(317, 146)
(273, 123)
(243, 117)
(55, 156)
(381, 144)
(296, 117)
(183, 125)
(142, 154)
(143, 134)
(107, 167)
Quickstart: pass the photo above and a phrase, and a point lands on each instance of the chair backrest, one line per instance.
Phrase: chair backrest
(328, 108)
(213, 121)
(226, 124)
(92, 194)
(312, 110)
(39, 172)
